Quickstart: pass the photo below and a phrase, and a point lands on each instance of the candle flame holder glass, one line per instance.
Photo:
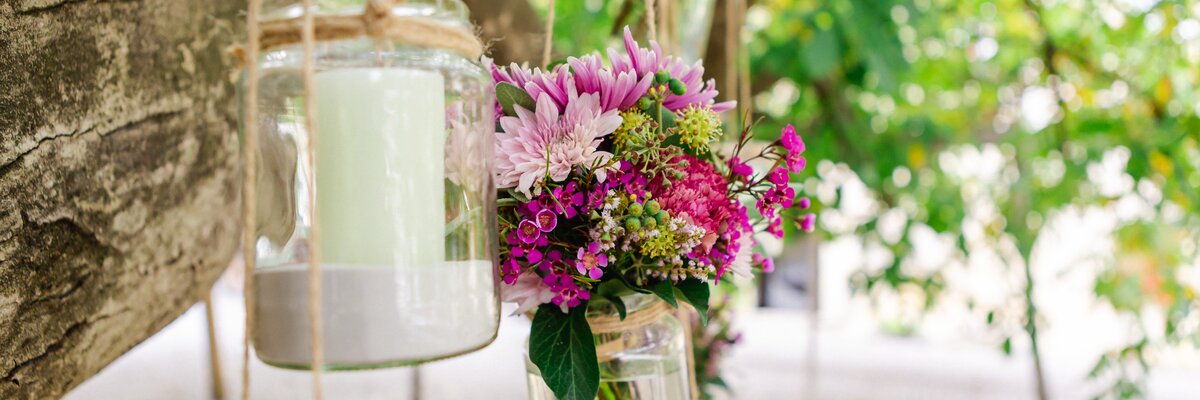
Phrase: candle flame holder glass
(404, 199)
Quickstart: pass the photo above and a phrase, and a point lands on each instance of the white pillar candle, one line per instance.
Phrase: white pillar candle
(380, 167)
(389, 295)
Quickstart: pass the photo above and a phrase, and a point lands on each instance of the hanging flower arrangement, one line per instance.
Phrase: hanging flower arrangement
(612, 183)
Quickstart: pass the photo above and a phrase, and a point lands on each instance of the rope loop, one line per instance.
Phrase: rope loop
(377, 22)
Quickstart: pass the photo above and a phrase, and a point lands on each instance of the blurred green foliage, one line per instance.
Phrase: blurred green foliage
(910, 94)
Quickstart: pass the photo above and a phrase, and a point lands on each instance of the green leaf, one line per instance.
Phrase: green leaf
(695, 293)
(510, 95)
(614, 287)
(666, 291)
(562, 347)
(1007, 346)
(521, 197)
(618, 304)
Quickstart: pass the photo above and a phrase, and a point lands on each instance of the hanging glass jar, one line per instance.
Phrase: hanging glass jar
(642, 357)
(405, 204)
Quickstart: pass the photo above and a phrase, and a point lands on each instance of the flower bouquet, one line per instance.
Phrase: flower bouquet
(613, 183)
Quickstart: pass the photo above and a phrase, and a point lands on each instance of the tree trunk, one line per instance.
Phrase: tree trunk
(118, 178)
(511, 29)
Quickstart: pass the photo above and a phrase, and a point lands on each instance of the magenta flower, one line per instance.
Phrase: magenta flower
(567, 200)
(795, 147)
(779, 177)
(766, 263)
(804, 203)
(740, 168)
(510, 268)
(528, 231)
(534, 81)
(590, 260)
(546, 220)
(539, 145)
(566, 293)
(809, 222)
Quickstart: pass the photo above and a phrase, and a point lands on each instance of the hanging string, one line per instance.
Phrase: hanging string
(744, 100)
(214, 357)
(652, 19)
(249, 176)
(730, 44)
(549, 36)
(308, 39)
(664, 9)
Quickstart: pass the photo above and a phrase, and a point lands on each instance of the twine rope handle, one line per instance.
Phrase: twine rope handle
(637, 319)
(309, 69)
(377, 22)
(249, 176)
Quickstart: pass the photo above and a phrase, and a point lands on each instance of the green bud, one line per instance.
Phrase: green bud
(663, 217)
(645, 103)
(677, 87)
(662, 77)
(649, 222)
(633, 224)
(653, 207)
(606, 237)
(635, 209)
(594, 215)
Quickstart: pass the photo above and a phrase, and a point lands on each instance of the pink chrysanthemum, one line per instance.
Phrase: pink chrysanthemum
(540, 144)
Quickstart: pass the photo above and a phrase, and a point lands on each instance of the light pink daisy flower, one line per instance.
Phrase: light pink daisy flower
(539, 144)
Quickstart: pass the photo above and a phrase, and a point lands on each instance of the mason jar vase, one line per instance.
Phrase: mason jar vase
(642, 361)
(405, 204)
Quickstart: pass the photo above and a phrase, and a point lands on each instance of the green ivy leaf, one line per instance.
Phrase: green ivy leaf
(666, 291)
(562, 347)
(510, 95)
(695, 293)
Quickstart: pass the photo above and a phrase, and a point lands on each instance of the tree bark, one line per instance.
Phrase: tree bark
(118, 178)
(511, 29)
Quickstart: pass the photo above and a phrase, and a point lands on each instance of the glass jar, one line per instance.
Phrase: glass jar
(405, 201)
(644, 362)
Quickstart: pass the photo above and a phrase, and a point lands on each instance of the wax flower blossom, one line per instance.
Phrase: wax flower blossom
(612, 182)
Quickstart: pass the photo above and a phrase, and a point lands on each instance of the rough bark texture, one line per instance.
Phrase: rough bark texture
(118, 177)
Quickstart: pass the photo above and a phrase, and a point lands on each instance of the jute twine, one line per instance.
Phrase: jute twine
(377, 22)
(549, 36)
(249, 175)
(308, 70)
(603, 324)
